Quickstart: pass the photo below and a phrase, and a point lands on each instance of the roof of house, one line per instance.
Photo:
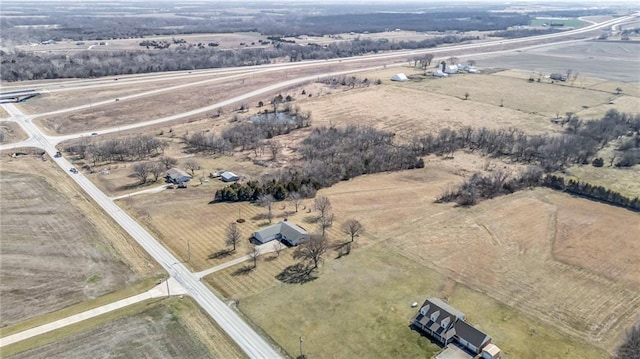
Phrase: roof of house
(177, 173)
(472, 335)
(287, 229)
(440, 303)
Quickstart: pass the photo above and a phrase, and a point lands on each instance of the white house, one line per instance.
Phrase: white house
(287, 232)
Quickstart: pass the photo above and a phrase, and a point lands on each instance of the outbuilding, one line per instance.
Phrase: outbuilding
(287, 232)
(401, 77)
(229, 177)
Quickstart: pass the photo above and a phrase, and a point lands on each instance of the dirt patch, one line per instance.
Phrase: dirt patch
(11, 132)
(52, 256)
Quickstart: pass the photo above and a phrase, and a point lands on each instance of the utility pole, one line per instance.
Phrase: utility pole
(188, 251)
(301, 355)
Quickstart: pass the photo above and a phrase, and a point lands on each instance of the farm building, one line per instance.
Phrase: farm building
(176, 175)
(229, 177)
(286, 232)
(401, 77)
(446, 324)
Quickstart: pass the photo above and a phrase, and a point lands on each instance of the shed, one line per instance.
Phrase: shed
(176, 175)
(401, 77)
(491, 351)
(229, 177)
(439, 73)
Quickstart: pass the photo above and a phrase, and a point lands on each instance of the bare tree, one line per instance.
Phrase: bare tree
(266, 201)
(274, 147)
(353, 228)
(295, 198)
(254, 254)
(326, 222)
(466, 95)
(156, 169)
(141, 171)
(192, 165)
(322, 205)
(278, 247)
(233, 235)
(168, 162)
(313, 250)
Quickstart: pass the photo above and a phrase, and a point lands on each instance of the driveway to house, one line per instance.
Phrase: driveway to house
(161, 290)
(452, 351)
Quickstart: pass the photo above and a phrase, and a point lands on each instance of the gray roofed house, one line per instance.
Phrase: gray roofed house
(283, 231)
(470, 337)
(446, 324)
(176, 175)
(229, 177)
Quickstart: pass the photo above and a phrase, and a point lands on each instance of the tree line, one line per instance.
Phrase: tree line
(584, 189)
(577, 145)
(329, 155)
(129, 148)
(25, 65)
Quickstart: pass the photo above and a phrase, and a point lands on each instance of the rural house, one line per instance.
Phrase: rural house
(176, 175)
(229, 177)
(286, 232)
(446, 324)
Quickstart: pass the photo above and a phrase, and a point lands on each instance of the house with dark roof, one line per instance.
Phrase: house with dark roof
(176, 175)
(286, 232)
(446, 324)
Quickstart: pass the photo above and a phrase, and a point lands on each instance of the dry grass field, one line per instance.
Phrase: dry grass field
(623, 180)
(153, 329)
(170, 103)
(12, 132)
(3, 113)
(52, 255)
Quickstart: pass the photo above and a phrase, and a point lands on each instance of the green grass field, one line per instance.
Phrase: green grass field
(368, 295)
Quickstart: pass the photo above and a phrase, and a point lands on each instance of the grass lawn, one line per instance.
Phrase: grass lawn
(361, 304)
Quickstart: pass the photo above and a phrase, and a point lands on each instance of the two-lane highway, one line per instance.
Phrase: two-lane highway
(247, 339)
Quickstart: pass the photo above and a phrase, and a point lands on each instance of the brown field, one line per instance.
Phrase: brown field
(593, 300)
(226, 41)
(52, 256)
(166, 104)
(3, 113)
(52, 101)
(12, 132)
(152, 329)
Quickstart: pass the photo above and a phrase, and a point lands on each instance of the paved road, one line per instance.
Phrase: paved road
(247, 339)
(156, 292)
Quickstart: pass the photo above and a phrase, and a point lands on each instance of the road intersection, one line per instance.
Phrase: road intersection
(246, 337)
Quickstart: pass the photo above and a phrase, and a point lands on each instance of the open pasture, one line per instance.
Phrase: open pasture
(368, 295)
(408, 112)
(11, 132)
(52, 255)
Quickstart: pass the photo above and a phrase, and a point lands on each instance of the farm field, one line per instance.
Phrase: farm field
(152, 329)
(3, 113)
(566, 22)
(585, 58)
(12, 132)
(52, 256)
